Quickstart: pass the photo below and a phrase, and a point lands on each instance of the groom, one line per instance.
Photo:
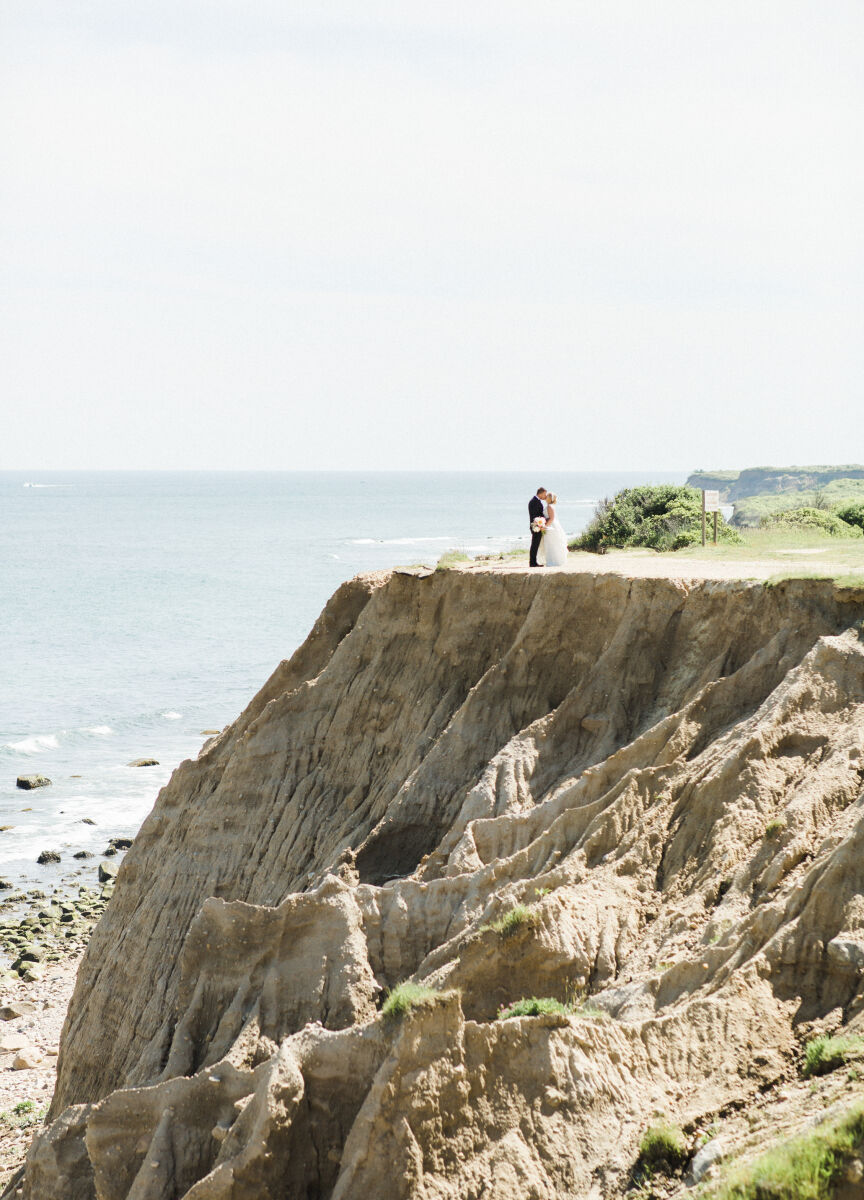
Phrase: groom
(536, 509)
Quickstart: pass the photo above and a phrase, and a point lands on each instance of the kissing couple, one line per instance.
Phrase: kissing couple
(548, 539)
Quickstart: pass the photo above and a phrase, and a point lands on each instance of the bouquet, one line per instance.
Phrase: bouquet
(538, 525)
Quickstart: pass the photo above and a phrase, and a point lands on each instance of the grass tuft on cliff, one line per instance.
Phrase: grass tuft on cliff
(535, 1006)
(809, 1167)
(663, 1148)
(518, 917)
(405, 996)
(824, 1054)
(663, 517)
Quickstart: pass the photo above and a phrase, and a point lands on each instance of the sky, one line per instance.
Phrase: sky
(474, 235)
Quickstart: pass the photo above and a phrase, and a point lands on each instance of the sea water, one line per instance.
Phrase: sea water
(138, 610)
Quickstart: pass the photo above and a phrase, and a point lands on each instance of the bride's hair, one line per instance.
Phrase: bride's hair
(553, 499)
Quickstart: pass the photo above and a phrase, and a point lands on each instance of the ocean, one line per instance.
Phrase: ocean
(139, 609)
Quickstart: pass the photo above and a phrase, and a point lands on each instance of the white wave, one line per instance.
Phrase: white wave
(171, 716)
(34, 745)
(420, 541)
(362, 542)
(99, 730)
(48, 485)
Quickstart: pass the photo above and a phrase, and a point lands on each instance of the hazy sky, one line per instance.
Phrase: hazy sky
(474, 234)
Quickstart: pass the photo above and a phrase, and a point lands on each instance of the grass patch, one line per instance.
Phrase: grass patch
(824, 1054)
(404, 997)
(812, 518)
(775, 829)
(806, 1168)
(520, 916)
(23, 1115)
(535, 1006)
(451, 559)
(663, 1148)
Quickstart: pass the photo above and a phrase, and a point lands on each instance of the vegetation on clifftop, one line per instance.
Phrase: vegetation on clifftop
(662, 517)
(812, 518)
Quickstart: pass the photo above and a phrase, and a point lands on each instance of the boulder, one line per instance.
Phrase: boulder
(27, 1058)
(48, 856)
(120, 843)
(107, 872)
(15, 1009)
(29, 782)
(143, 762)
(83, 854)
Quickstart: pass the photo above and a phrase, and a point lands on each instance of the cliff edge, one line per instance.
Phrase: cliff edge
(642, 798)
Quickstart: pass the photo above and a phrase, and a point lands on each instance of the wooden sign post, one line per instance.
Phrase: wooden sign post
(710, 503)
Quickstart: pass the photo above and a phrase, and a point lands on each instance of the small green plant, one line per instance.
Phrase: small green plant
(451, 559)
(404, 997)
(534, 1006)
(23, 1115)
(824, 1054)
(775, 829)
(808, 1167)
(518, 917)
(663, 1148)
(538, 892)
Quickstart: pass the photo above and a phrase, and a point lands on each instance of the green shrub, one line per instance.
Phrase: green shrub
(534, 1006)
(812, 519)
(662, 517)
(852, 514)
(515, 918)
(825, 1054)
(806, 1168)
(775, 828)
(663, 1148)
(406, 996)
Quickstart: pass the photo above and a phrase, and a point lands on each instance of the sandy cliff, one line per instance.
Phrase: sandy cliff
(606, 752)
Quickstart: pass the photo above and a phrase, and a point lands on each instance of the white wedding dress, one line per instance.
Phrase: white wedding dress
(553, 548)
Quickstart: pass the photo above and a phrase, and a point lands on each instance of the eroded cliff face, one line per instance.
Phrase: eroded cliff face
(608, 753)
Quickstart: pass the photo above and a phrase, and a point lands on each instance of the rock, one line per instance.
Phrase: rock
(87, 821)
(48, 856)
(433, 727)
(706, 1157)
(210, 732)
(10, 1042)
(109, 851)
(5, 828)
(143, 762)
(14, 1009)
(83, 854)
(107, 872)
(120, 843)
(6, 886)
(32, 972)
(27, 1058)
(29, 782)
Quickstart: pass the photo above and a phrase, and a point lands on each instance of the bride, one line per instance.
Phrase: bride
(553, 550)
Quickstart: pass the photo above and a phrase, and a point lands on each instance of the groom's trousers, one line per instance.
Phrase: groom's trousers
(536, 539)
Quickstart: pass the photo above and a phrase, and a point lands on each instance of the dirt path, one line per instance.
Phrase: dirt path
(649, 564)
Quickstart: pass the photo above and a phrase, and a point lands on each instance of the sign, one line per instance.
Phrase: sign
(710, 503)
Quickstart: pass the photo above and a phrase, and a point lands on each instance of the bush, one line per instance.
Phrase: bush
(852, 514)
(775, 828)
(807, 1168)
(825, 1054)
(812, 519)
(665, 517)
(406, 996)
(663, 1148)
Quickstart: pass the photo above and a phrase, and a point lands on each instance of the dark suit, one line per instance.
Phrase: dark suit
(535, 510)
